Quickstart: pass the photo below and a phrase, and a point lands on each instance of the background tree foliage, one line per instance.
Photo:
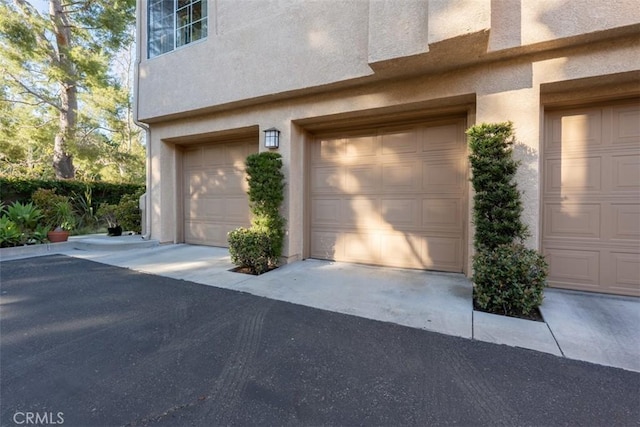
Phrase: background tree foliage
(65, 98)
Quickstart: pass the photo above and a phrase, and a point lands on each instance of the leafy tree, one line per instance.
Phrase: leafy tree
(58, 68)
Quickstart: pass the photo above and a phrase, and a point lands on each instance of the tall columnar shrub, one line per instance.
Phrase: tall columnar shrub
(260, 246)
(508, 277)
(497, 204)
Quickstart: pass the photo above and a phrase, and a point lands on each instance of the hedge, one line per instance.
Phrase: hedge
(20, 190)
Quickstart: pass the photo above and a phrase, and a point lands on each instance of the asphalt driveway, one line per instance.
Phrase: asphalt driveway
(103, 345)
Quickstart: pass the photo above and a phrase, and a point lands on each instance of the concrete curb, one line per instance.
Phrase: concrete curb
(35, 250)
(96, 243)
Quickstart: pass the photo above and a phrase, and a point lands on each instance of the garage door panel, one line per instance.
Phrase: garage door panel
(572, 220)
(626, 172)
(574, 174)
(400, 143)
(237, 210)
(327, 179)
(625, 270)
(403, 250)
(444, 176)
(446, 137)
(441, 214)
(328, 149)
(326, 245)
(401, 177)
(233, 181)
(360, 212)
(591, 206)
(196, 182)
(402, 214)
(326, 211)
(362, 247)
(192, 159)
(214, 156)
(626, 222)
(215, 186)
(208, 209)
(237, 153)
(362, 178)
(626, 125)
(443, 253)
(575, 267)
(203, 232)
(371, 202)
(575, 131)
(361, 147)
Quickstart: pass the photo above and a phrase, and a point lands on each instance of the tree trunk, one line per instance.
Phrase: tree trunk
(62, 160)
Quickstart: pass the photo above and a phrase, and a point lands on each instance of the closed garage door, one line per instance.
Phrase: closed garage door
(391, 196)
(591, 209)
(215, 199)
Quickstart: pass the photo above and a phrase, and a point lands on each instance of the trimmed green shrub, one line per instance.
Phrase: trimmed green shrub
(251, 248)
(264, 241)
(509, 279)
(12, 189)
(497, 204)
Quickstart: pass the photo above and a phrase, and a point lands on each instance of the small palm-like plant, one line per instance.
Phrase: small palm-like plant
(25, 216)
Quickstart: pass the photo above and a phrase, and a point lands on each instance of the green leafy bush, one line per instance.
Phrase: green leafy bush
(251, 248)
(107, 212)
(497, 205)
(509, 279)
(12, 189)
(125, 214)
(10, 234)
(21, 225)
(25, 216)
(85, 212)
(57, 209)
(129, 214)
(264, 241)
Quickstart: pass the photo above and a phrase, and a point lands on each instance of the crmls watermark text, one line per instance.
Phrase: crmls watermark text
(41, 418)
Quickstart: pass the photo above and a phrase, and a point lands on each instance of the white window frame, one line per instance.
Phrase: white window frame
(164, 31)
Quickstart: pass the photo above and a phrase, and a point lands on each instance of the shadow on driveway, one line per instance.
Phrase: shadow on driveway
(108, 346)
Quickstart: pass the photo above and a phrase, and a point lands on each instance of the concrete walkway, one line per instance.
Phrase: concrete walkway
(590, 327)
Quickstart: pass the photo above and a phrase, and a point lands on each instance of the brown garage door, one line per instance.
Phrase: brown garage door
(392, 197)
(215, 199)
(591, 209)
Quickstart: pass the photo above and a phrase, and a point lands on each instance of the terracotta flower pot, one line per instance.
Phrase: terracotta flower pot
(58, 236)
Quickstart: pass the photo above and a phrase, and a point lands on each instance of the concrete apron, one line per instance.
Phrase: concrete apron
(589, 327)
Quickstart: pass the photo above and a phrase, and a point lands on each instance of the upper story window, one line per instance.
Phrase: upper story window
(175, 23)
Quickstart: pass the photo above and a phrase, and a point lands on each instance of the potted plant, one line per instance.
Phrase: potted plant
(109, 213)
(58, 216)
(62, 220)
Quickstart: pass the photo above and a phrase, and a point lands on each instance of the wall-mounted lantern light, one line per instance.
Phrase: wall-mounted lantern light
(272, 138)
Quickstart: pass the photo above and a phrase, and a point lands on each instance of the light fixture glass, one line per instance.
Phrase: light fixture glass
(272, 138)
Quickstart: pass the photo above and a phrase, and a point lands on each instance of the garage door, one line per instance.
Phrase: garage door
(215, 199)
(391, 196)
(591, 208)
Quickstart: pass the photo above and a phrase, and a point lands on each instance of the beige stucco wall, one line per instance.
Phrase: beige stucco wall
(314, 68)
